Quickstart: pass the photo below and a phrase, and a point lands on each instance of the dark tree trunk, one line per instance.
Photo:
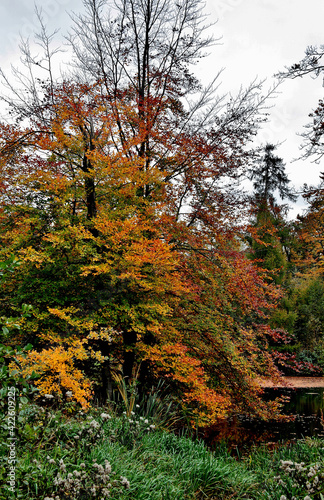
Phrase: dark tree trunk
(130, 339)
(90, 198)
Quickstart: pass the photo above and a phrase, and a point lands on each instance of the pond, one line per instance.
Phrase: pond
(306, 405)
(307, 401)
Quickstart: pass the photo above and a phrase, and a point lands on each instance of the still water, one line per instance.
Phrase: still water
(306, 405)
(305, 401)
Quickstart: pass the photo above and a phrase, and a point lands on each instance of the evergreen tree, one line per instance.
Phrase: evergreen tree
(269, 176)
(268, 231)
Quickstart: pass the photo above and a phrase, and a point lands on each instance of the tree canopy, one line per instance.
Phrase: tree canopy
(118, 197)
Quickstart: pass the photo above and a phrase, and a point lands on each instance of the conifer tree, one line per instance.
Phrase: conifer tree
(268, 226)
(269, 176)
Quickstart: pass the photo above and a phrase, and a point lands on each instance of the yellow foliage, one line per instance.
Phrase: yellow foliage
(58, 372)
(66, 315)
(56, 365)
(29, 254)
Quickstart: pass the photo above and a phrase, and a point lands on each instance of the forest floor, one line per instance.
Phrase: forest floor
(295, 382)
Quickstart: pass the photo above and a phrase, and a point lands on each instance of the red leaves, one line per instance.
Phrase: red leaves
(290, 363)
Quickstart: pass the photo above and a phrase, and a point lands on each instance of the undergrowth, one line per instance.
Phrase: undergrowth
(107, 453)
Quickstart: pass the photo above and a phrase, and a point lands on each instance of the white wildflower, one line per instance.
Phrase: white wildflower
(94, 424)
(105, 416)
(299, 467)
(107, 467)
(286, 463)
(62, 465)
(125, 482)
(100, 469)
(312, 472)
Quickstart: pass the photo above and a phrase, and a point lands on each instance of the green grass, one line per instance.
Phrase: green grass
(168, 467)
(158, 464)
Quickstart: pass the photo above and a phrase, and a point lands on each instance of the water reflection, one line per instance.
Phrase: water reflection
(305, 401)
(305, 405)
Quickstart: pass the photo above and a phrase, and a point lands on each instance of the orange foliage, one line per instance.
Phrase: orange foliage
(105, 243)
(309, 251)
(174, 361)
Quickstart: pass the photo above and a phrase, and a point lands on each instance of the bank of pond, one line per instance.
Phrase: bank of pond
(109, 454)
(104, 454)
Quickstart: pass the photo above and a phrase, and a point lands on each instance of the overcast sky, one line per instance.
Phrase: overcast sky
(259, 38)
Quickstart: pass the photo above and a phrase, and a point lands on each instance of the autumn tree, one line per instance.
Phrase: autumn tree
(302, 243)
(310, 229)
(271, 241)
(309, 262)
(302, 311)
(117, 198)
